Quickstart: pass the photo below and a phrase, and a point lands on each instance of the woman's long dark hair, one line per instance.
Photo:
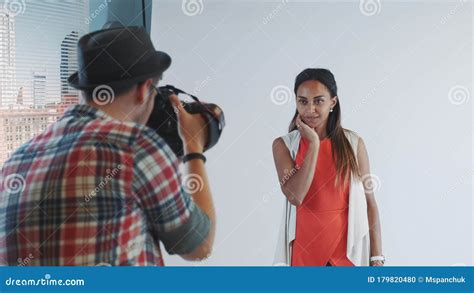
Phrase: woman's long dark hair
(342, 154)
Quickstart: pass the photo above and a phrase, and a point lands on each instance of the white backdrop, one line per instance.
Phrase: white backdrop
(404, 72)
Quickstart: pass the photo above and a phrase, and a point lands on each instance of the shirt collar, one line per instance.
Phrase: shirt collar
(85, 110)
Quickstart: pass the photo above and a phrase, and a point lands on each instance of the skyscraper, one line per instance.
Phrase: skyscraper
(39, 89)
(68, 65)
(37, 54)
(7, 59)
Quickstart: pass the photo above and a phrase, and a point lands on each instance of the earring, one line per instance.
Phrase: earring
(330, 110)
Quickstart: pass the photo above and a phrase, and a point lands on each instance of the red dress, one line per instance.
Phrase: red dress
(321, 220)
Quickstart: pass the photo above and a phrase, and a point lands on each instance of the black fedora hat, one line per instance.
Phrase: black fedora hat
(117, 57)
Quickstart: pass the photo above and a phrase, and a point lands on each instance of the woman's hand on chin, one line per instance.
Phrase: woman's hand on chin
(307, 132)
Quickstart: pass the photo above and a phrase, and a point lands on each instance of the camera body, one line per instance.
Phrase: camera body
(164, 120)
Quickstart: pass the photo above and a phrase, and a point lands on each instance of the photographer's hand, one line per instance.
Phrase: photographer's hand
(191, 127)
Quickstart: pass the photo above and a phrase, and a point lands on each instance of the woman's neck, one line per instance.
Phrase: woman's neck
(321, 131)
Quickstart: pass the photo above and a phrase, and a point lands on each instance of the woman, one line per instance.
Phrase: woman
(331, 216)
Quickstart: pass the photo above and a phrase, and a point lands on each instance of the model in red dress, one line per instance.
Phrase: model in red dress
(321, 219)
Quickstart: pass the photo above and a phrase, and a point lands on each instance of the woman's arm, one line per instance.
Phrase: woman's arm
(294, 182)
(372, 209)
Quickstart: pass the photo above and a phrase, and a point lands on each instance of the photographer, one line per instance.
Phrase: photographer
(100, 187)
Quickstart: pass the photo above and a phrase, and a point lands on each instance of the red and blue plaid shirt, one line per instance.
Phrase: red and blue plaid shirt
(94, 190)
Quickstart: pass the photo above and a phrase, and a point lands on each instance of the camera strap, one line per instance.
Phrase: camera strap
(180, 91)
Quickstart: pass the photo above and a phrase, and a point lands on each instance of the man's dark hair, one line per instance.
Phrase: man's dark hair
(117, 90)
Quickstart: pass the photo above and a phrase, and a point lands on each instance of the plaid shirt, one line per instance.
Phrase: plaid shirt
(94, 190)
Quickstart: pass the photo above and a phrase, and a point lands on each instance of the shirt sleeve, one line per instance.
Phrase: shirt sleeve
(171, 213)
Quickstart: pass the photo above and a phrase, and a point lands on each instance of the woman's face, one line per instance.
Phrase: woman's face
(313, 102)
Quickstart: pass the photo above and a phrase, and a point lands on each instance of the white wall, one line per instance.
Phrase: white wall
(395, 70)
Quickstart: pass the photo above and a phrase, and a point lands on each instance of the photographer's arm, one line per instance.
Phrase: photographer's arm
(203, 199)
(192, 132)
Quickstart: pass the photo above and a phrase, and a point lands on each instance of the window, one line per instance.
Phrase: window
(38, 42)
(37, 54)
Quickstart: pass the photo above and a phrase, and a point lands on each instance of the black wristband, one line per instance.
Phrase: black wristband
(192, 156)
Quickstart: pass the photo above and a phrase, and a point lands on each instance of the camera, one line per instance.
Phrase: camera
(164, 120)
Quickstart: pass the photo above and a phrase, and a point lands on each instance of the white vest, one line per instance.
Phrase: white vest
(358, 239)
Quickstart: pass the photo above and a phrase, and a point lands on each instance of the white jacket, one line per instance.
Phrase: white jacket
(358, 240)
